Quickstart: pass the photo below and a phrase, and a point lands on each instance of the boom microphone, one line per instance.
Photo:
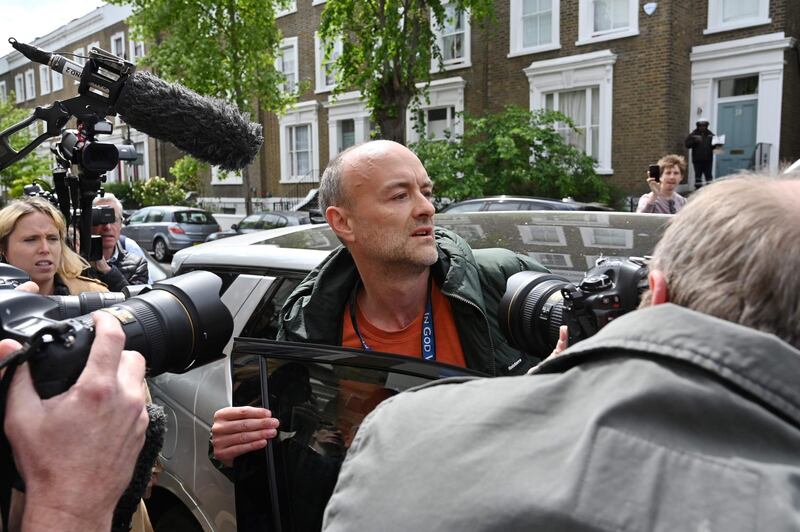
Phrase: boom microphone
(207, 128)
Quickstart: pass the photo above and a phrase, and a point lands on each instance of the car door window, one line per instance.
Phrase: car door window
(264, 322)
(138, 217)
(251, 222)
(506, 206)
(321, 396)
(273, 221)
(155, 216)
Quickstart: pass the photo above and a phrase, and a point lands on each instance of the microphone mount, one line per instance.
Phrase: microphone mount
(102, 79)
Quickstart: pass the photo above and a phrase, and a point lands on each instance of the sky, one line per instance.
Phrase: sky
(27, 19)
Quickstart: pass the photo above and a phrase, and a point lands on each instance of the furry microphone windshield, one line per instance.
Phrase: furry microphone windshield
(209, 129)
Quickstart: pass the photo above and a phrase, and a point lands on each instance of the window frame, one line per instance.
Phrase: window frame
(466, 61)
(133, 46)
(517, 30)
(30, 85)
(79, 59)
(19, 88)
(44, 79)
(319, 62)
(118, 35)
(448, 92)
(574, 73)
(57, 81)
(586, 24)
(3, 91)
(301, 113)
(715, 23)
(346, 106)
(289, 42)
(288, 10)
(588, 125)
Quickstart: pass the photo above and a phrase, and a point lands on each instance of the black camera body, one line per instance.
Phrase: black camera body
(535, 304)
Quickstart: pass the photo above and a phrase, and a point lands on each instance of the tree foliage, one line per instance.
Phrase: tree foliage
(187, 172)
(33, 167)
(513, 152)
(158, 191)
(222, 48)
(387, 48)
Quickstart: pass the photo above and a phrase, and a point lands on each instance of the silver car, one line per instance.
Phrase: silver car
(259, 270)
(167, 229)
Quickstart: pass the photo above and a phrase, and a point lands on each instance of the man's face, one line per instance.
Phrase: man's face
(670, 178)
(109, 232)
(389, 206)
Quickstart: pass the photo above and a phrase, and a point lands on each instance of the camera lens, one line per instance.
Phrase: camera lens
(85, 303)
(532, 310)
(179, 324)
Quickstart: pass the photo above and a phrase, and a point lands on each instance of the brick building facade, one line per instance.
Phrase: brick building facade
(634, 75)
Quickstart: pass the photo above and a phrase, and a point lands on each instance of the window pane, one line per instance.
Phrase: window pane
(439, 121)
(452, 43)
(302, 138)
(610, 15)
(536, 22)
(733, 10)
(347, 134)
(738, 86)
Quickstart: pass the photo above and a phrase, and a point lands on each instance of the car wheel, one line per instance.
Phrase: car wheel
(160, 250)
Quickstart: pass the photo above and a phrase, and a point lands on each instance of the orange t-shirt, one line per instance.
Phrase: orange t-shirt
(408, 341)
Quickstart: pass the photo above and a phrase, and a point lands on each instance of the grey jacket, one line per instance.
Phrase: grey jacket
(665, 420)
(474, 281)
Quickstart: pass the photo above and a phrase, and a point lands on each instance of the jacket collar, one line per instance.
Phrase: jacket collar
(759, 363)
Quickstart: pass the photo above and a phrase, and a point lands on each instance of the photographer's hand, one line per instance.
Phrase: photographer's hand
(76, 451)
(101, 266)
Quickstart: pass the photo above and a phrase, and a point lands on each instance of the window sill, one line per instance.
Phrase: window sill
(607, 37)
(603, 171)
(226, 182)
(297, 180)
(537, 50)
(739, 25)
(323, 90)
(453, 66)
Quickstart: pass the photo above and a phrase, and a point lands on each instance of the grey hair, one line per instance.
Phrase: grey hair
(733, 253)
(108, 197)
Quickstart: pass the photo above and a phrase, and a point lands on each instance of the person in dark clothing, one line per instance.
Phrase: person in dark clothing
(700, 141)
(118, 268)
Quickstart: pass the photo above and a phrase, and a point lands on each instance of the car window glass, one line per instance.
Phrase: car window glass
(193, 217)
(535, 206)
(320, 407)
(273, 221)
(138, 217)
(466, 207)
(251, 222)
(155, 216)
(505, 206)
(264, 321)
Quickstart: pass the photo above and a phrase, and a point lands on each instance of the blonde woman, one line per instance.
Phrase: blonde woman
(33, 238)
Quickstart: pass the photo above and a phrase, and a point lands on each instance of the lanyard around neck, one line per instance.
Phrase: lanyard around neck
(428, 347)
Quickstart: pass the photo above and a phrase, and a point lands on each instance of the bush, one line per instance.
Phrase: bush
(513, 152)
(158, 191)
(124, 193)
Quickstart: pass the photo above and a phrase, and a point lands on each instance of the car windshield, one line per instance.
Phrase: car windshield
(193, 217)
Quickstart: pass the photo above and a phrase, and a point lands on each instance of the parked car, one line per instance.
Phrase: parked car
(166, 229)
(263, 220)
(259, 270)
(521, 203)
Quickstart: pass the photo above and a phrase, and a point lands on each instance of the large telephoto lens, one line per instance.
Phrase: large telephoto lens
(532, 310)
(179, 324)
(85, 303)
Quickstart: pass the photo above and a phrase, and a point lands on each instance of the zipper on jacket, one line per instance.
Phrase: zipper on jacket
(486, 321)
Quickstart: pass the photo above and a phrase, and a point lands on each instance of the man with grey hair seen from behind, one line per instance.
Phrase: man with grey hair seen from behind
(682, 415)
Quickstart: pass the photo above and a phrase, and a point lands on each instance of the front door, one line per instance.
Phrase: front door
(737, 121)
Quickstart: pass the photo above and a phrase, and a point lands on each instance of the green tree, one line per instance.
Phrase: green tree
(187, 172)
(222, 48)
(387, 48)
(33, 168)
(158, 191)
(513, 152)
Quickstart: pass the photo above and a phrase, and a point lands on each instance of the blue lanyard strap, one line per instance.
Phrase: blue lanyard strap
(428, 332)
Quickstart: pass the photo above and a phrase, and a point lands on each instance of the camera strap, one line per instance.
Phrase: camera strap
(428, 347)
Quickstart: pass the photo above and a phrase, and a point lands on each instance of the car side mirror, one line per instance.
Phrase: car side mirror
(235, 227)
